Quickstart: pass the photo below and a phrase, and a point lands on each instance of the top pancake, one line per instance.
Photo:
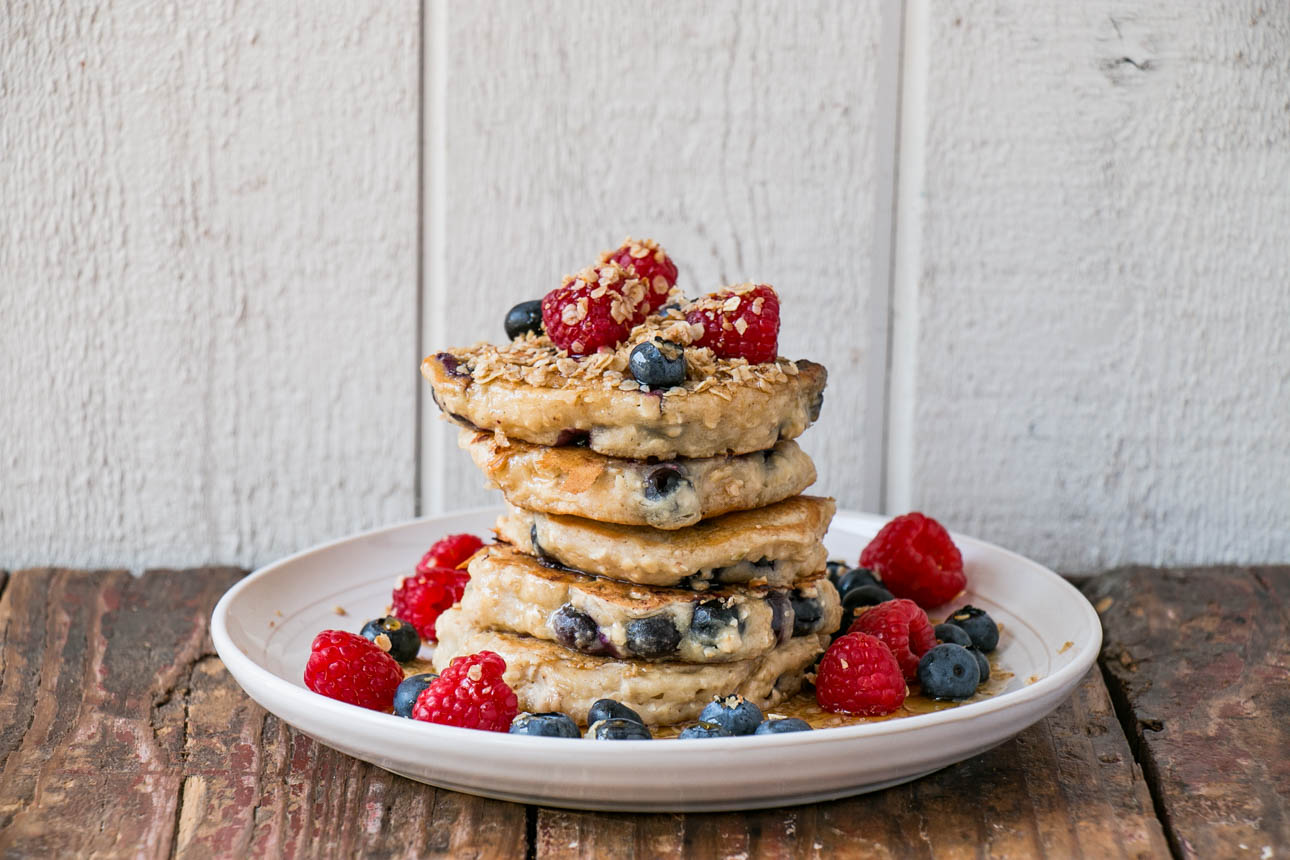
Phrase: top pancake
(530, 390)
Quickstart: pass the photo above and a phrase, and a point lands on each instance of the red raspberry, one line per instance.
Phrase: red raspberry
(348, 667)
(859, 675)
(916, 558)
(421, 598)
(597, 307)
(471, 694)
(651, 264)
(449, 552)
(739, 322)
(903, 628)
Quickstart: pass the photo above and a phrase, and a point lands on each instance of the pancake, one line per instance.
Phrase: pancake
(666, 495)
(529, 390)
(548, 677)
(514, 592)
(775, 545)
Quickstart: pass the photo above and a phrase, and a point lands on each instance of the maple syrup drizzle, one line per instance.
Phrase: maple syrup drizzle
(804, 707)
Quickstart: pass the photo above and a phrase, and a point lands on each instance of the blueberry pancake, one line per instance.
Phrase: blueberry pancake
(529, 390)
(511, 591)
(775, 545)
(547, 677)
(667, 495)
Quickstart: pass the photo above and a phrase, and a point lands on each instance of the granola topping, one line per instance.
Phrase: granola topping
(535, 360)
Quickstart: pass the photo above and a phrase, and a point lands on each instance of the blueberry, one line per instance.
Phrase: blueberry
(576, 630)
(524, 317)
(855, 578)
(953, 634)
(670, 306)
(982, 663)
(408, 691)
(704, 729)
(653, 636)
(866, 595)
(859, 597)
(979, 625)
(664, 481)
(550, 724)
(618, 730)
(711, 619)
(780, 726)
(453, 365)
(837, 570)
(780, 607)
(608, 709)
(537, 546)
(807, 613)
(576, 438)
(762, 567)
(401, 640)
(658, 363)
(735, 714)
(948, 672)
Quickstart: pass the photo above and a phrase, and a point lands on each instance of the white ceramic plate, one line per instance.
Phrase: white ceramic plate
(263, 626)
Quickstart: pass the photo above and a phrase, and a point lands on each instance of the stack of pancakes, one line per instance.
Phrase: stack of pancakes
(657, 551)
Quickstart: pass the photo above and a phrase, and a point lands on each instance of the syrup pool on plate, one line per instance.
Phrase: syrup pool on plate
(804, 707)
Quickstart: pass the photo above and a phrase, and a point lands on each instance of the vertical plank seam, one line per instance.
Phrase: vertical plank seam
(1132, 729)
(887, 158)
(906, 259)
(418, 449)
(530, 831)
(430, 467)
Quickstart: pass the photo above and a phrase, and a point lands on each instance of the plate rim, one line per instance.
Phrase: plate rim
(239, 663)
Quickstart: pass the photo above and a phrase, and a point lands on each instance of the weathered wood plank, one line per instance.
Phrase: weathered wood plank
(281, 794)
(208, 279)
(123, 733)
(92, 732)
(741, 136)
(1199, 663)
(1067, 787)
(1090, 387)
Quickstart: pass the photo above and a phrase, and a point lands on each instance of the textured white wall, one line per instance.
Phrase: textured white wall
(742, 137)
(207, 276)
(208, 271)
(1102, 356)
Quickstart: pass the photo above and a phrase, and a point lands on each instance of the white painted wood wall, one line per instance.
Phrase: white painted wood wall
(1042, 247)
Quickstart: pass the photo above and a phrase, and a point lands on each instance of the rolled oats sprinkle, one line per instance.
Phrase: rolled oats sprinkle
(534, 360)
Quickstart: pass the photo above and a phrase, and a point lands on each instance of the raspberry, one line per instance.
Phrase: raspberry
(471, 694)
(347, 667)
(903, 628)
(859, 675)
(651, 264)
(449, 552)
(739, 322)
(597, 307)
(916, 559)
(421, 598)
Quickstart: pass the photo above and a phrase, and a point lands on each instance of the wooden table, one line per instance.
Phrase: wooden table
(122, 734)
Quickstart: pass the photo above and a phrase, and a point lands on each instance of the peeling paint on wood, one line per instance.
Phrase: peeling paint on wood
(206, 278)
(741, 137)
(1103, 362)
